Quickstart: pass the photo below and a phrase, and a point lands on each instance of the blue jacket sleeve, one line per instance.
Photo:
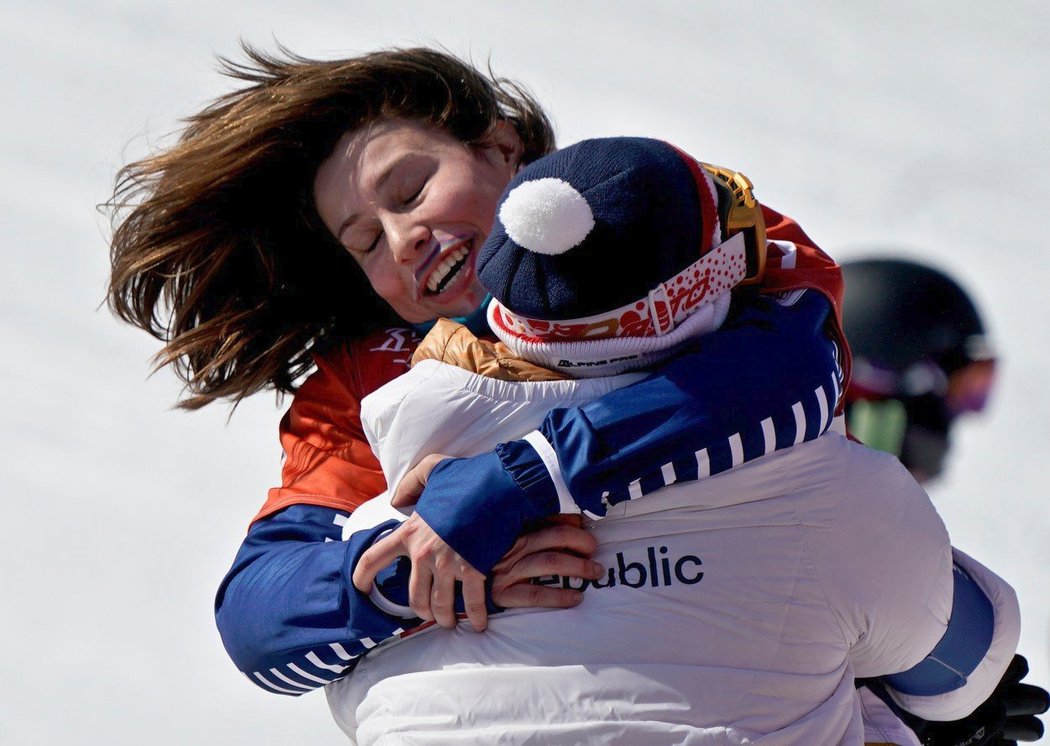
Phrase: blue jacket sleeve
(768, 379)
(287, 611)
(964, 645)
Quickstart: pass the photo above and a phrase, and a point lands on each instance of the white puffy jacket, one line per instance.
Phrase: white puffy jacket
(736, 610)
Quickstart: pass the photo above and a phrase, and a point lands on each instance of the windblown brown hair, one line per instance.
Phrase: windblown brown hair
(217, 249)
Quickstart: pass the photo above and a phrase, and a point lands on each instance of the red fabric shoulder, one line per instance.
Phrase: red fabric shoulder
(794, 262)
(327, 459)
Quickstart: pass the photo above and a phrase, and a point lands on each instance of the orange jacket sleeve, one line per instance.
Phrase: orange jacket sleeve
(328, 461)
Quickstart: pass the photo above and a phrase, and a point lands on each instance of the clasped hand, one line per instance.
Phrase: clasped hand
(561, 547)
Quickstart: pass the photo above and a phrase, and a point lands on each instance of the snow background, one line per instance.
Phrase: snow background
(920, 127)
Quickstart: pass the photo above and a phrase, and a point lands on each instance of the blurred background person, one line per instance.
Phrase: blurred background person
(921, 358)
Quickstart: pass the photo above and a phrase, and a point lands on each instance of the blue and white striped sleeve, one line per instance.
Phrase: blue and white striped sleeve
(287, 611)
(768, 379)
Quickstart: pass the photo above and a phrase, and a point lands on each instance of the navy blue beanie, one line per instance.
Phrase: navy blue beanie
(552, 255)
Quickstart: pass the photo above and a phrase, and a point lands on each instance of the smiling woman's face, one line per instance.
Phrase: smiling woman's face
(413, 206)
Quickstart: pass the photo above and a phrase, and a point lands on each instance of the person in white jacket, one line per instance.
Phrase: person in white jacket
(736, 608)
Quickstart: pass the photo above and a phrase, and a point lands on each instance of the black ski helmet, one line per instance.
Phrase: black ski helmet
(911, 329)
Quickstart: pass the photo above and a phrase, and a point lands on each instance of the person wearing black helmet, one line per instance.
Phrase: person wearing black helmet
(921, 358)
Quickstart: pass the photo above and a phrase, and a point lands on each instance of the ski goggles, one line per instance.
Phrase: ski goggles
(969, 387)
(965, 389)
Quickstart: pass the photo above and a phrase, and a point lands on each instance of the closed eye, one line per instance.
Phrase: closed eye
(354, 249)
(414, 195)
(375, 242)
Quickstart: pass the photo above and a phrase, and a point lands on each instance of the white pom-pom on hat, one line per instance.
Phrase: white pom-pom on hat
(546, 216)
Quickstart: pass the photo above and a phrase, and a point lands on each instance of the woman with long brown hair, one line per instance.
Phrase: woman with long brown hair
(283, 243)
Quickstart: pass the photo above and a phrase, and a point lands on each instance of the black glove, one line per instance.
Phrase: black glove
(1006, 717)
